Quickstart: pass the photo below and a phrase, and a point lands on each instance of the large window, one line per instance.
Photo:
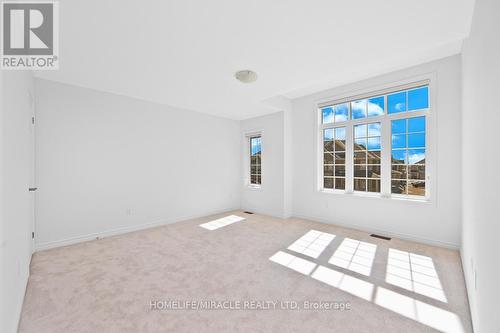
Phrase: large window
(255, 160)
(376, 142)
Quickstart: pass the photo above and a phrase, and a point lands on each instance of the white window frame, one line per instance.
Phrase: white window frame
(386, 142)
(246, 158)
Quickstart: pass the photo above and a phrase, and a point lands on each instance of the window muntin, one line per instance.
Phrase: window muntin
(367, 155)
(334, 150)
(405, 160)
(255, 160)
(408, 156)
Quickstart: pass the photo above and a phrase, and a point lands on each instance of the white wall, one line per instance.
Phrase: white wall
(481, 160)
(436, 222)
(108, 164)
(15, 204)
(269, 198)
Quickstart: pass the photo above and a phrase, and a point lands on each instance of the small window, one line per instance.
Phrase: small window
(408, 156)
(366, 108)
(408, 100)
(255, 160)
(334, 149)
(335, 113)
(396, 102)
(367, 154)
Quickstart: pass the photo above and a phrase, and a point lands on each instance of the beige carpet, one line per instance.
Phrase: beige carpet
(108, 285)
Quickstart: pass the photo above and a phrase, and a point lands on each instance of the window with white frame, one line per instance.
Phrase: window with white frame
(367, 157)
(334, 158)
(255, 160)
(367, 134)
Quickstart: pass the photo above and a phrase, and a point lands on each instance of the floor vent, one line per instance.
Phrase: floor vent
(381, 237)
(247, 212)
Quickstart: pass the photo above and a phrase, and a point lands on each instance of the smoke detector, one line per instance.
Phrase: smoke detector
(246, 76)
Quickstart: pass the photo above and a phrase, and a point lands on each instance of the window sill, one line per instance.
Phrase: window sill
(375, 196)
(254, 187)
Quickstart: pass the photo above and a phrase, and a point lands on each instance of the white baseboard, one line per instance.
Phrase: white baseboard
(433, 242)
(123, 230)
(20, 302)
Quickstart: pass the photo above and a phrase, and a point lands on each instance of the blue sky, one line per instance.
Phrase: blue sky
(256, 145)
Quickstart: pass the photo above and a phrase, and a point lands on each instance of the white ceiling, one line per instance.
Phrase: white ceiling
(184, 53)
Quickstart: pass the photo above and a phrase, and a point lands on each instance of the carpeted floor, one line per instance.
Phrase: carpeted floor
(141, 281)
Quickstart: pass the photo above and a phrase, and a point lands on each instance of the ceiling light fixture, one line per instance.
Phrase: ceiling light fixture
(246, 76)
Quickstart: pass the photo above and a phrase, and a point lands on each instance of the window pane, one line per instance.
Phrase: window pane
(374, 129)
(418, 98)
(373, 157)
(373, 171)
(360, 144)
(359, 157)
(373, 185)
(399, 171)
(327, 114)
(359, 170)
(399, 157)
(399, 141)
(255, 145)
(328, 145)
(254, 169)
(339, 145)
(398, 186)
(339, 158)
(416, 124)
(253, 160)
(328, 170)
(374, 143)
(416, 187)
(358, 109)
(396, 102)
(416, 156)
(359, 184)
(376, 106)
(328, 134)
(340, 133)
(416, 140)
(259, 179)
(360, 131)
(328, 182)
(340, 183)
(328, 158)
(339, 170)
(416, 172)
(341, 112)
(399, 126)
(253, 179)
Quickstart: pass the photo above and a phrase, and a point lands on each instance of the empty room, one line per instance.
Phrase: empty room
(249, 166)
